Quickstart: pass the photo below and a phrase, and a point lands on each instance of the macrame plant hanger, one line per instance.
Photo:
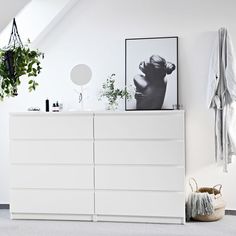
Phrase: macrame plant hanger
(14, 42)
(14, 37)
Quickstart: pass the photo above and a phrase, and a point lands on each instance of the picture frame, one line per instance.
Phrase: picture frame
(151, 73)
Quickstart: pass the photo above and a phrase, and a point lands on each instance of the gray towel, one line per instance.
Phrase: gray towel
(199, 204)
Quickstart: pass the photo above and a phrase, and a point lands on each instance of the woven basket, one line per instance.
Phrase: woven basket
(218, 202)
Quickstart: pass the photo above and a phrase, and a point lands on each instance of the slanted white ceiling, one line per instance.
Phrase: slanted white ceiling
(9, 9)
(31, 24)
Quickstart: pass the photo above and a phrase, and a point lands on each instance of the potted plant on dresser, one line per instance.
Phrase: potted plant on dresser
(112, 94)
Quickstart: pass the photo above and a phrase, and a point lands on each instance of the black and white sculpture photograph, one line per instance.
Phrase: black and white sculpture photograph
(151, 72)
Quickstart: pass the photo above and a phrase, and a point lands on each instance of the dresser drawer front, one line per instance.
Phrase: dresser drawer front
(51, 127)
(159, 204)
(52, 201)
(139, 152)
(52, 177)
(51, 151)
(142, 126)
(139, 178)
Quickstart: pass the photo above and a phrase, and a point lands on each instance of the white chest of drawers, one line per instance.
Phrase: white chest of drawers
(104, 166)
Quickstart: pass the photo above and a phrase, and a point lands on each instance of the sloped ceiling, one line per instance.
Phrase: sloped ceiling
(9, 9)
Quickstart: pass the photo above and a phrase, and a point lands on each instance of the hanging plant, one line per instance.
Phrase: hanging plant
(17, 60)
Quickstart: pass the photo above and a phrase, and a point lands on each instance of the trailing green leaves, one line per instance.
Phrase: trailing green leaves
(14, 63)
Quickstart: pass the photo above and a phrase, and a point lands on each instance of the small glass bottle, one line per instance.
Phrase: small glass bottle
(47, 105)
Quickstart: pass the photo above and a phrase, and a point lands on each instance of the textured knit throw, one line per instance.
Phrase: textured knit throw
(199, 204)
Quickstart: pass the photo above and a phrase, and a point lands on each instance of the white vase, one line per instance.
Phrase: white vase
(111, 107)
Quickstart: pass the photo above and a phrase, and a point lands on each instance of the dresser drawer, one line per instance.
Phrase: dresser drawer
(51, 151)
(52, 201)
(124, 203)
(51, 126)
(141, 126)
(52, 177)
(139, 178)
(170, 152)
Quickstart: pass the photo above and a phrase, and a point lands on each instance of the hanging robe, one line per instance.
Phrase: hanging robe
(221, 96)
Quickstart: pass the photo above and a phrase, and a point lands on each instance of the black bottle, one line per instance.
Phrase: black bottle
(47, 105)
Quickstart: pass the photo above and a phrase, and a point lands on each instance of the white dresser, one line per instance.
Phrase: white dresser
(100, 166)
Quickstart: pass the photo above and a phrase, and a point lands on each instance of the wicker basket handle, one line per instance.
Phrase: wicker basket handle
(190, 182)
(217, 187)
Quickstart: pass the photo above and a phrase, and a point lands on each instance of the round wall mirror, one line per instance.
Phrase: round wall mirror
(81, 74)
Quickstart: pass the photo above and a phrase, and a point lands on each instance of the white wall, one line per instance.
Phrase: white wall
(93, 33)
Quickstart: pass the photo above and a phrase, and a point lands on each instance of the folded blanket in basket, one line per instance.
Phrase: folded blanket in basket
(199, 204)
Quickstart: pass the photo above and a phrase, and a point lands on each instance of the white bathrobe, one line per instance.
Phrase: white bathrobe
(221, 96)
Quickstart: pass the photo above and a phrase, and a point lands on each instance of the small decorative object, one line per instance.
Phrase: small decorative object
(33, 109)
(151, 65)
(177, 107)
(205, 203)
(112, 94)
(60, 107)
(47, 105)
(55, 107)
(17, 60)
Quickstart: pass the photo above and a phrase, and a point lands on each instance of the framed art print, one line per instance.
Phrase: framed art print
(151, 71)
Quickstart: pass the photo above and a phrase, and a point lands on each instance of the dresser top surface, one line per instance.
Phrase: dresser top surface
(75, 113)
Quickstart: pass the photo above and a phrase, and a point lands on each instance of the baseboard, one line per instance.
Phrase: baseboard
(230, 212)
(4, 206)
